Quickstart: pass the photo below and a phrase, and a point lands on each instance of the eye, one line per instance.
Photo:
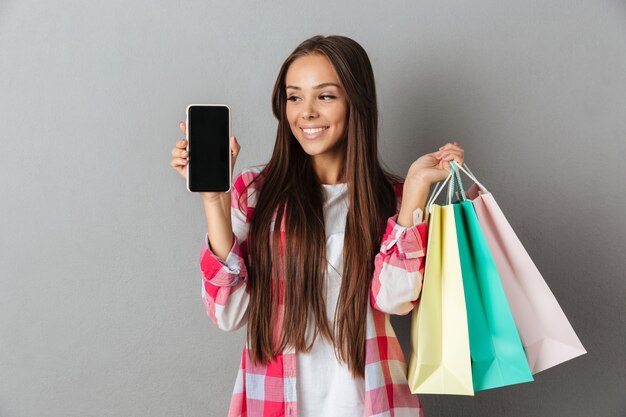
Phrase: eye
(292, 98)
(327, 97)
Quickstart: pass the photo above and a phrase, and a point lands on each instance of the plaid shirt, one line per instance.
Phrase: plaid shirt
(270, 390)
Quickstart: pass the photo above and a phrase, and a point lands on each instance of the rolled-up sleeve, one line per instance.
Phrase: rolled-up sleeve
(399, 267)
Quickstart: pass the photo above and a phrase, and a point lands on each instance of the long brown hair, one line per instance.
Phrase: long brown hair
(292, 192)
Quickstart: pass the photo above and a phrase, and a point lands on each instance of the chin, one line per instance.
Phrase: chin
(312, 150)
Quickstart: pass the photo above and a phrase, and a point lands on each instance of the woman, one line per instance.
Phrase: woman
(316, 296)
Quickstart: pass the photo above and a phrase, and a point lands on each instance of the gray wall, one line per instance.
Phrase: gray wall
(100, 308)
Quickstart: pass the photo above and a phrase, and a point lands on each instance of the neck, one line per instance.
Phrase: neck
(328, 170)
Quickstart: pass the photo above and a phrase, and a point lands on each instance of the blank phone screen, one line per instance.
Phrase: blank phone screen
(209, 148)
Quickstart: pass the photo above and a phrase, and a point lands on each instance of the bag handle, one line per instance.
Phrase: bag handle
(438, 188)
(469, 173)
(454, 173)
(459, 184)
(440, 185)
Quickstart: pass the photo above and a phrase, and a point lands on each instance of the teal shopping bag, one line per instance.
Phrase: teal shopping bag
(498, 358)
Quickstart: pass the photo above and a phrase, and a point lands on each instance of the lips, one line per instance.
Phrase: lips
(313, 132)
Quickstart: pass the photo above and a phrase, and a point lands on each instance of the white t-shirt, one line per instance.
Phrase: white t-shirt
(325, 386)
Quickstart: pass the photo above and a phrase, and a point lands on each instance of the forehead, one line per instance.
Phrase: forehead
(310, 70)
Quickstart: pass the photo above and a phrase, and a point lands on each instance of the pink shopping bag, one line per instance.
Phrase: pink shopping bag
(547, 336)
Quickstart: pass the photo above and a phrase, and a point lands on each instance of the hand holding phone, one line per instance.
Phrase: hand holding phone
(180, 161)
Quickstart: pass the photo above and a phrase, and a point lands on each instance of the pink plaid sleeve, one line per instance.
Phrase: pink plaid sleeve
(224, 290)
(399, 266)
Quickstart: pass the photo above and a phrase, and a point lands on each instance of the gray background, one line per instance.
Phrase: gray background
(100, 308)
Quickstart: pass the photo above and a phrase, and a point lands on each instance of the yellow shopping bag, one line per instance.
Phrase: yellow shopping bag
(440, 359)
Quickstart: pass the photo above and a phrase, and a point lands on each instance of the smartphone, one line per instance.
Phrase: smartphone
(208, 144)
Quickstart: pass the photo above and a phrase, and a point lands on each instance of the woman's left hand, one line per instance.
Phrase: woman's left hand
(434, 167)
(428, 169)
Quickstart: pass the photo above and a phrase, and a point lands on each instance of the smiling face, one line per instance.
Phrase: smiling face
(316, 108)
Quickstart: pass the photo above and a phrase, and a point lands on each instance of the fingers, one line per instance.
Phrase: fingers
(179, 165)
(234, 151)
(180, 150)
(182, 144)
(449, 152)
(448, 147)
(234, 146)
(178, 161)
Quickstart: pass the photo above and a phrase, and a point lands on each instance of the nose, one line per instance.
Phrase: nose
(309, 111)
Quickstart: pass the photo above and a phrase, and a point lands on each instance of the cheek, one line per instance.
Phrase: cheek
(340, 115)
(290, 118)
(342, 122)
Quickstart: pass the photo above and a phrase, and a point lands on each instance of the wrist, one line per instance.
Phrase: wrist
(215, 199)
(415, 192)
(414, 197)
(417, 180)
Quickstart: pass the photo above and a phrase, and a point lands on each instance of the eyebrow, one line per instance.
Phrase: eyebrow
(317, 87)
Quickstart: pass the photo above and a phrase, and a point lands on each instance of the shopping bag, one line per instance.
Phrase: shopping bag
(498, 357)
(547, 336)
(440, 360)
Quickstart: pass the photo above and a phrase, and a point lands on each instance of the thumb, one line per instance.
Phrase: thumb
(234, 150)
